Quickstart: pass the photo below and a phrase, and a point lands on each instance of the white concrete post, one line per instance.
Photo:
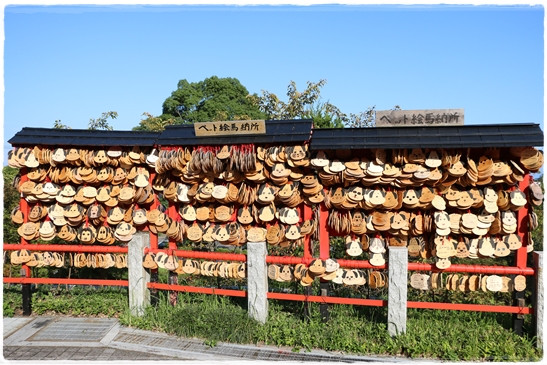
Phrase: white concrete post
(257, 281)
(538, 299)
(397, 290)
(139, 296)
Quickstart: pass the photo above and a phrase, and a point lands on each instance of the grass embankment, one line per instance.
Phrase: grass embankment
(447, 335)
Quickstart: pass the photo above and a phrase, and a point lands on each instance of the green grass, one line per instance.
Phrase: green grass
(445, 335)
(78, 301)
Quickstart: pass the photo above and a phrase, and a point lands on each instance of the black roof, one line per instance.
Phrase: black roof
(298, 131)
(277, 131)
(488, 135)
(82, 137)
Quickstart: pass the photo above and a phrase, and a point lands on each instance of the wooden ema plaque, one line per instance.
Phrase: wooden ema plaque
(230, 128)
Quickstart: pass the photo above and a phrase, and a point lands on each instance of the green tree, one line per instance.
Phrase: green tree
(58, 125)
(366, 119)
(11, 200)
(102, 121)
(152, 123)
(308, 104)
(323, 116)
(211, 99)
(305, 104)
(94, 124)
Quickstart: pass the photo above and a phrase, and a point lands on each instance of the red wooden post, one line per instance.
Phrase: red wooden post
(172, 213)
(324, 253)
(155, 204)
(307, 214)
(173, 276)
(521, 255)
(23, 204)
(25, 270)
(324, 237)
(153, 244)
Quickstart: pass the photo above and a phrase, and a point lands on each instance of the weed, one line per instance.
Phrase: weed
(74, 301)
(210, 343)
(444, 335)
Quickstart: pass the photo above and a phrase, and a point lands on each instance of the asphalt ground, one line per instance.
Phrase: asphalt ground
(70, 339)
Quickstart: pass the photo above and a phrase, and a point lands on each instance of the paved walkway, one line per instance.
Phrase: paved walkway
(104, 339)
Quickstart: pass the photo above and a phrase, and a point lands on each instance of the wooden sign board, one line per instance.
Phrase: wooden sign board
(419, 118)
(230, 128)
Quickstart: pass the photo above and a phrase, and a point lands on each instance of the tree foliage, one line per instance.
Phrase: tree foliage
(323, 116)
(102, 121)
(308, 104)
(211, 99)
(58, 125)
(215, 99)
(300, 105)
(94, 124)
(155, 124)
(11, 200)
(366, 119)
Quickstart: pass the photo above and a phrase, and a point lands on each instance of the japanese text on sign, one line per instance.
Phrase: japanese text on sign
(229, 128)
(412, 118)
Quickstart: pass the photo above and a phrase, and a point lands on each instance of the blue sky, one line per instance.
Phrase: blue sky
(74, 62)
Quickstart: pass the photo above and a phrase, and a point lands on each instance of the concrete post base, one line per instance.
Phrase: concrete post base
(139, 296)
(257, 281)
(397, 290)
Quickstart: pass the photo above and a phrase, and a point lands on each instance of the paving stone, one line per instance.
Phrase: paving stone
(73, 353)
(108, 341)
(64, 355)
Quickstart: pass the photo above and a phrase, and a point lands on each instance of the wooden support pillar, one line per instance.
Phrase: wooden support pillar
(521, 256)
(173, 278)
(324, 253)
(307, 214)
(324, 307)
(26, 289)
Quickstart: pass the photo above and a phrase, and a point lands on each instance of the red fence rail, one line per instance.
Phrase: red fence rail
(96, 282)
(283, 260)
(201, 290)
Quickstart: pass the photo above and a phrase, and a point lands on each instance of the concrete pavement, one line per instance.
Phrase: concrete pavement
(67, 339)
